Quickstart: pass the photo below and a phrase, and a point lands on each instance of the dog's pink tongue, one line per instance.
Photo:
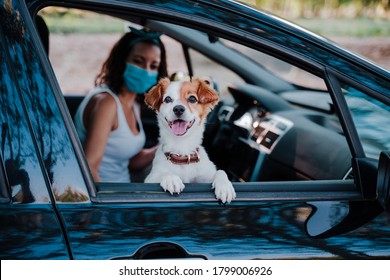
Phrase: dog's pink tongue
(179, 128)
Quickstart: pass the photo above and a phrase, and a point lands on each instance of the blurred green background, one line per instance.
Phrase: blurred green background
(333, 17)
(357, 18)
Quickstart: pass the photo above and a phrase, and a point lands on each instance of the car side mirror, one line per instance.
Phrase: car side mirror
(332, 218)
(383, 180)
(325, 215)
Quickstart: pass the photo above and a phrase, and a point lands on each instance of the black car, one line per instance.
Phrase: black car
(302, 131)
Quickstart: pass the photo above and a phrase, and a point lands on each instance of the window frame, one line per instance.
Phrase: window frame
(292, 191)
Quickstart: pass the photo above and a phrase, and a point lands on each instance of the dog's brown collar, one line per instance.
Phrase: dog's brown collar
(186, 159)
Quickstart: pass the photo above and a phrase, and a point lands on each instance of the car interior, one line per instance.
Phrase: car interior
(268, 125)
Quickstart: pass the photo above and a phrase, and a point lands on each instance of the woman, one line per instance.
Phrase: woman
(108, 120)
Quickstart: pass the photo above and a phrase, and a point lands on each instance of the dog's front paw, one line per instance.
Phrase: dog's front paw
(223, 188)
(172, 184)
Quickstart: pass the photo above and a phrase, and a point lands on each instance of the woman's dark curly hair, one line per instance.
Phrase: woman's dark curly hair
(113, 68)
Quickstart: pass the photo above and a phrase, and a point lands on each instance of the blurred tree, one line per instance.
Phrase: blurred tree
(325, 8)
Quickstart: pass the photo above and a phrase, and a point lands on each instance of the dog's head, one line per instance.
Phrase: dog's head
(182, 105)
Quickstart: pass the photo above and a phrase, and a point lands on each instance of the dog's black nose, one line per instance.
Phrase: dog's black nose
(179, 110)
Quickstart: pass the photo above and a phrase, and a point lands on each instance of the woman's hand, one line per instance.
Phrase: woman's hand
(143, 158)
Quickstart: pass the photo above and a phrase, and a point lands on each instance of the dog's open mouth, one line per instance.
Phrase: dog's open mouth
(179, 127)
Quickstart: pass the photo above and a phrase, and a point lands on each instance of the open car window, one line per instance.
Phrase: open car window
(275, 122)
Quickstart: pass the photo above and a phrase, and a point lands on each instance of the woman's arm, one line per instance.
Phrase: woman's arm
(143, 158)
(100, 118)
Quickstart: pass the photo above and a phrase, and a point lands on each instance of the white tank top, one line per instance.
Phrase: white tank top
(122, 144)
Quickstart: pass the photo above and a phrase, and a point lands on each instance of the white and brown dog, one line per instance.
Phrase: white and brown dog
(181, 109)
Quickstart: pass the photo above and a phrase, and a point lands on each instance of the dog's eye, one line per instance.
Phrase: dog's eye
(168, 99)
(192, 99)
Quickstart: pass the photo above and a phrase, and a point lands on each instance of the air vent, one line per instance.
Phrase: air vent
(266, 132)
(269, 139)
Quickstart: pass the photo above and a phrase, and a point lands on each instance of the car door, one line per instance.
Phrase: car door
(267, 220)
(30, 226)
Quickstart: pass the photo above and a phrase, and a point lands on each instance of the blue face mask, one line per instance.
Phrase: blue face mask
(139, 80)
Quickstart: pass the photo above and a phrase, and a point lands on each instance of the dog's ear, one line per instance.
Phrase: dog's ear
(154, 96)
(206, 94)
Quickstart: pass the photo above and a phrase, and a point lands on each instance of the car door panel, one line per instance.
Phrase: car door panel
(31, 232)
(240, 231)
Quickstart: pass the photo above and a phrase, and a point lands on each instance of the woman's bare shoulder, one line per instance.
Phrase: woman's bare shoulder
(102, 105)
(102, 101)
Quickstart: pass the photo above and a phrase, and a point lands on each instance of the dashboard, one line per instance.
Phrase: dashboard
(253, 143)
